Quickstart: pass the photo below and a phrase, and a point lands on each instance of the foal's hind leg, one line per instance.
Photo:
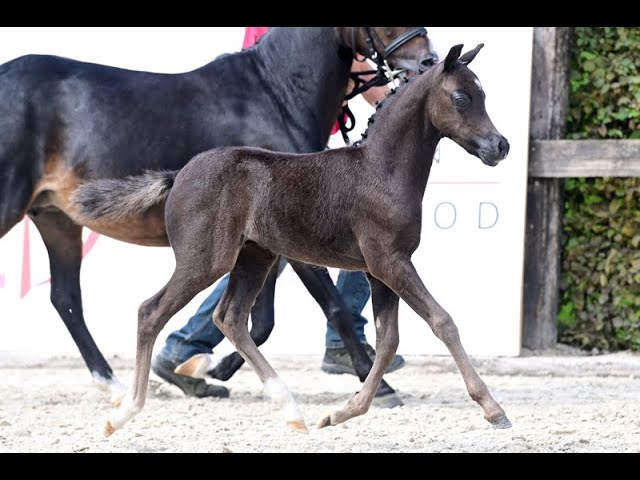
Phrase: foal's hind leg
(63, 240)
(318, 282)
(385, 310)
(187, 281)
(232, 314)
(401, 276)
(262, 320)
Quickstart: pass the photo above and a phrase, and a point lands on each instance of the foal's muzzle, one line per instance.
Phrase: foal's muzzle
(493, 150)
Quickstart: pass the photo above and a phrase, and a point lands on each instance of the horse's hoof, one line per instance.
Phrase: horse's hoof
(108, 429)
(501, 422)
(390, 400)
(298, 426)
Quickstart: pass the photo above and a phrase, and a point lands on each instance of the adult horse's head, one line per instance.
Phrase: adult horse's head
(405, 49)
(457, 108)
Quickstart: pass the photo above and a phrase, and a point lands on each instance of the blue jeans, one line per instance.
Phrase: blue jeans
(355, 291)
(200, 334)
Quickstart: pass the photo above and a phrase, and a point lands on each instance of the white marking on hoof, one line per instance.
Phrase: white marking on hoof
(113, 386)
(198, 365)
(121, 415)
(281, 396)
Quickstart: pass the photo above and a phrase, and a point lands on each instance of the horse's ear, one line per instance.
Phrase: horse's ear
(452, 57)
(470, 55)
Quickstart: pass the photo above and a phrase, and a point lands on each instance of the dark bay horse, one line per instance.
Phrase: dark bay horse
(356, 208)
(63, 122)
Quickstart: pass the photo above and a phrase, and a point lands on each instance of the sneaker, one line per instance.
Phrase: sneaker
(191, 387)
(337, 361)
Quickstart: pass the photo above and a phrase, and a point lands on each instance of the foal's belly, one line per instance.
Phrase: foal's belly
(334, 247)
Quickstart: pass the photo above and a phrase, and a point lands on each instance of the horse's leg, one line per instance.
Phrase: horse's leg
(401, 276)
(385, 311)
(63, 239)
(232, 315)
(262, 322)
(185, 283)
(318, 282)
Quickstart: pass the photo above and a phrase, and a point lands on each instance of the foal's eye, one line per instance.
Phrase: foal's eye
(461, 100)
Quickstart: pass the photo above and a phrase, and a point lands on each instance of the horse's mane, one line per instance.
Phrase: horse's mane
(385, 102)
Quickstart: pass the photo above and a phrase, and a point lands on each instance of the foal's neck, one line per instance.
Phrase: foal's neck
(308, 68)
(401, 141)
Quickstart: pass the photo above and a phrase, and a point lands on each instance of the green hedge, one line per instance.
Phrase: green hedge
(600, 291)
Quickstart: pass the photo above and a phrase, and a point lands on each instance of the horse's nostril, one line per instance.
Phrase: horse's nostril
(503, 146)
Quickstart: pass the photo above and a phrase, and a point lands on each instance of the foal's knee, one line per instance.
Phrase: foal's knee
(444, 328)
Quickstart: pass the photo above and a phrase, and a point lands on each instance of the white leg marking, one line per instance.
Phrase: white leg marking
(127, 410)
(281, 396)
(113, 386)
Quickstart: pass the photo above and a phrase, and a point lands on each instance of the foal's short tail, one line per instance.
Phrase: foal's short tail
(121, 198)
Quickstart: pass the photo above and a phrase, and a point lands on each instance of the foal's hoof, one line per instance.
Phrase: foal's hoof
(298, 426)
(501, 422)
(389, 400)
(108, 429)
(324, 422)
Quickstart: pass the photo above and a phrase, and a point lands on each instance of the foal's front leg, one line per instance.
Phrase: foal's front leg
(320, 285)
(385, 311)
(402, 277)
(231, 317)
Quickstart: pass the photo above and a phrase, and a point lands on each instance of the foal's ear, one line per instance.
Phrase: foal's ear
(452, 57)
(470, 55)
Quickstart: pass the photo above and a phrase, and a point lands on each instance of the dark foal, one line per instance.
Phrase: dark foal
(65, 122)
(356, 207)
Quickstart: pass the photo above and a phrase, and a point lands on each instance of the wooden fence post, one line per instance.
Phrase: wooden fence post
(549, 106)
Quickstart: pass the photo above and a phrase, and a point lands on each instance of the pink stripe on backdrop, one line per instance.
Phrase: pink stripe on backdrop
(1, 280)
(25, 282)
(91, 240)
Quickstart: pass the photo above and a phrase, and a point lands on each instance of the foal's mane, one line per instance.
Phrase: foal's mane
(390, 99)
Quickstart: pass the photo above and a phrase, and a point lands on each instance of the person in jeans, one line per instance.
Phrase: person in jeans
(200, 335)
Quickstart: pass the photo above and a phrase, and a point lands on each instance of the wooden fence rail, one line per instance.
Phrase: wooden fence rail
(584, 158)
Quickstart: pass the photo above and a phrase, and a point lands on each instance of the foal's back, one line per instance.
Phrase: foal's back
(303, 206)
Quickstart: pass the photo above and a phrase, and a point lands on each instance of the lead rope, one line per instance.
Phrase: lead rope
(359, 87)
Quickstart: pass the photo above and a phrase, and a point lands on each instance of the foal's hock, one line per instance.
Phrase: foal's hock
(356, 208)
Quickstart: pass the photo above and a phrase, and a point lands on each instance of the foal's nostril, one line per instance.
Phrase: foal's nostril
(503, 146)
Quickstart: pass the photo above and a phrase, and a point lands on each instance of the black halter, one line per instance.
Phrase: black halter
(384, 74)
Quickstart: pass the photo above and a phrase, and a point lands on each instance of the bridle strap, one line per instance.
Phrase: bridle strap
(383, 73)
(396, 42)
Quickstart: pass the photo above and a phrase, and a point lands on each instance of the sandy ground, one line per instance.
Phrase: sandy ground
(558, 401)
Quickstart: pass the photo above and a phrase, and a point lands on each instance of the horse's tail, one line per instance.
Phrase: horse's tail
(122, 198)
